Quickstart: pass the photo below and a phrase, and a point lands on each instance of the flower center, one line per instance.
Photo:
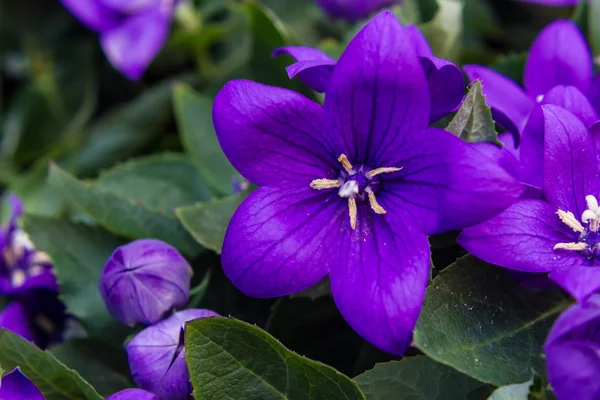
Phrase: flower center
(355, 183)
(588, 241)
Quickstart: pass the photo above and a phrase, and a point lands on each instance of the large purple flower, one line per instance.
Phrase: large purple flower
(351, 188)
(561, 233)
(445, 80)
(573, 352)
(132, 32)
(22, 267)
(16, 386)
(353, 10)
(559, 56)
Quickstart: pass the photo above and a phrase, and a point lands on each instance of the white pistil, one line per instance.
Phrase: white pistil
(320, 184)
(17, 278)
(571, 246)
(383, 170)
(349, 190)
(539, 98)
(569, 219)
(592, 214)
(353, 212)
(375, 205)
(345, 163)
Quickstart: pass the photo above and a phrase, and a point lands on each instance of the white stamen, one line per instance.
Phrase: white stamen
(587, 216)
(539, 98)
(18, 278)
(348, 189)
(383, 170)
(22, 240)
(592, 203)
(320, 184)
(39, 257)
(571, 246)
(353, 212)
(375, 205)
(345, 163)
(35, 270)
(569, 219)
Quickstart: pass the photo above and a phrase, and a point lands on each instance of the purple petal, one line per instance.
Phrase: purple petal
(132, 394)
(580, 281)
(144, 280)
(446, 86)
(15, 318)
(446, 183)
(157, 358)
(559, 56)
(594, 93)
(130, 6)
(272, 135)
(502, 156)
(573, 100)
(378, 276)
(522, 238)
(570, 163)
(313, 66)
(419, 41)
(92, 13)
(378, 93)
(277, 239)
(594, 131)
(16, 386)
(509, 144)
(353, 10)
(510, 104)
(131, 45)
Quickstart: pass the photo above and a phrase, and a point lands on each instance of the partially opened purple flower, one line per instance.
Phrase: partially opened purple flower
(351, 188)
(572, 357)
(559, 56)
(16, 386)
(445, 80)
(353, 10)
(22, 267)
(561, 233)
(132, 394)
(144, 280)
(157, 356)
(132, 32)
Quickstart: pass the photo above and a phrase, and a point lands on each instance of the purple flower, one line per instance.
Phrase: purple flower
(445, 80)
(132, 394)
(351, 188)
(132, 32)
(157, 356)
(559, 56)
(572, 357)
(559, 234)
(353, 10)
(144, 280)
(22, 267)
(16, 386)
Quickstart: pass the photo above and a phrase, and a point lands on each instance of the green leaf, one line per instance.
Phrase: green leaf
(231, 359)
(416, 378)
(78, 253)
(518, 391)
(594, 26)
(135, 213)
(207, 222)
(478, 320)
(104, 367)
(52, 378)
(473, 122)
(512, 66)
(444, 31)
(194, 118)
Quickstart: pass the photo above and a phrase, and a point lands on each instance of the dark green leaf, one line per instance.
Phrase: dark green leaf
(104, 367)
(481, 322)
(416, 378)
(197, 293)
(194, 118)
(78, 253)
(133, 215)
(473, 122)
(207, 222)
(231, 359)
(594, 25)
(512, 66)
(52, 378)
(444, 31)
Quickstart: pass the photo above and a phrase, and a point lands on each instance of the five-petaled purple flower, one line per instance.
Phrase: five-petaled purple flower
(16, 386)
(144, 280)
(353, 10)
(572, 352)
(559, 234)
(351, 188)
(132, 32)
(157, 356)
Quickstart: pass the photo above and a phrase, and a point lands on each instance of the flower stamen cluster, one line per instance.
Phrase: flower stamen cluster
(588, 241)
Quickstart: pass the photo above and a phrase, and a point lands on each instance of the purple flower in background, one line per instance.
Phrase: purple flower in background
(22, 267)
(16, 386)
(351, 188)
(554, 3)
(157, 356)
(144, 280)
(15, 318)
(445, 80)
(132, 32)
(559, 56)
(353, 10)
(561, 233)
(571, 351)
(132, 394)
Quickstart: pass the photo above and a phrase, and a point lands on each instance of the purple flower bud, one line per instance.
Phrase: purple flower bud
(16, 386)
(132, 394)
(144, 280)
(157, 356)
